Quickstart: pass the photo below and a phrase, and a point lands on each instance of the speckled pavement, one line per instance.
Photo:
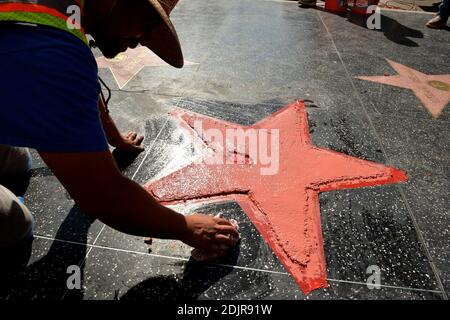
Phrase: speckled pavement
(249, 58)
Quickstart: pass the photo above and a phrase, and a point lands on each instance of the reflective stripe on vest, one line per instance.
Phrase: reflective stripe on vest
(53, 13)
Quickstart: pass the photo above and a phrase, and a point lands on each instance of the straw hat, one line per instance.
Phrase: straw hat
(163, 39)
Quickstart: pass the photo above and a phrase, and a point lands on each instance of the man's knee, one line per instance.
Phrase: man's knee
(16, 221)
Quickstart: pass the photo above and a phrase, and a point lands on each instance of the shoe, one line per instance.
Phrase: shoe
(307, 3)
(437, 23)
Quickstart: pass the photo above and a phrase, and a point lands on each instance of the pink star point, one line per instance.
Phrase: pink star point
(432, 90)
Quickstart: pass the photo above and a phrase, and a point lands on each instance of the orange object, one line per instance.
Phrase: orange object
(336, 6)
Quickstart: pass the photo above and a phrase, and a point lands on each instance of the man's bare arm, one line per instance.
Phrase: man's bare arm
(99, 189)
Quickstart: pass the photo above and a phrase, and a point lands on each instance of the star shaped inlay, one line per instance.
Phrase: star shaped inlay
(125, 66)
(283, 205)
(432, 90)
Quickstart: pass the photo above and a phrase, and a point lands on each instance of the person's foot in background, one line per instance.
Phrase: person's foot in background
(437, 23)
(440, 20)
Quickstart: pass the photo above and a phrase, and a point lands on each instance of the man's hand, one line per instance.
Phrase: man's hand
(211, 236)
(210, 233)
(131, 142)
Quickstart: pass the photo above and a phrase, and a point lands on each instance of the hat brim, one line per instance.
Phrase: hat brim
(163, 39)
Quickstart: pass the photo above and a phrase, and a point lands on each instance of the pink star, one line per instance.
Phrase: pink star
(432, 90)
(128, 64)
(283, 205)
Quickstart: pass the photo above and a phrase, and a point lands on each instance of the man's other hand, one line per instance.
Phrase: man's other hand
(131, 142)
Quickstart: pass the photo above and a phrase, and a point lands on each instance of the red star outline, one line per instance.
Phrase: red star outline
(283, 207)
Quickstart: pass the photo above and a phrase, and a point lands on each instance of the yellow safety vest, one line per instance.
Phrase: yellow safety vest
(54, 13)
